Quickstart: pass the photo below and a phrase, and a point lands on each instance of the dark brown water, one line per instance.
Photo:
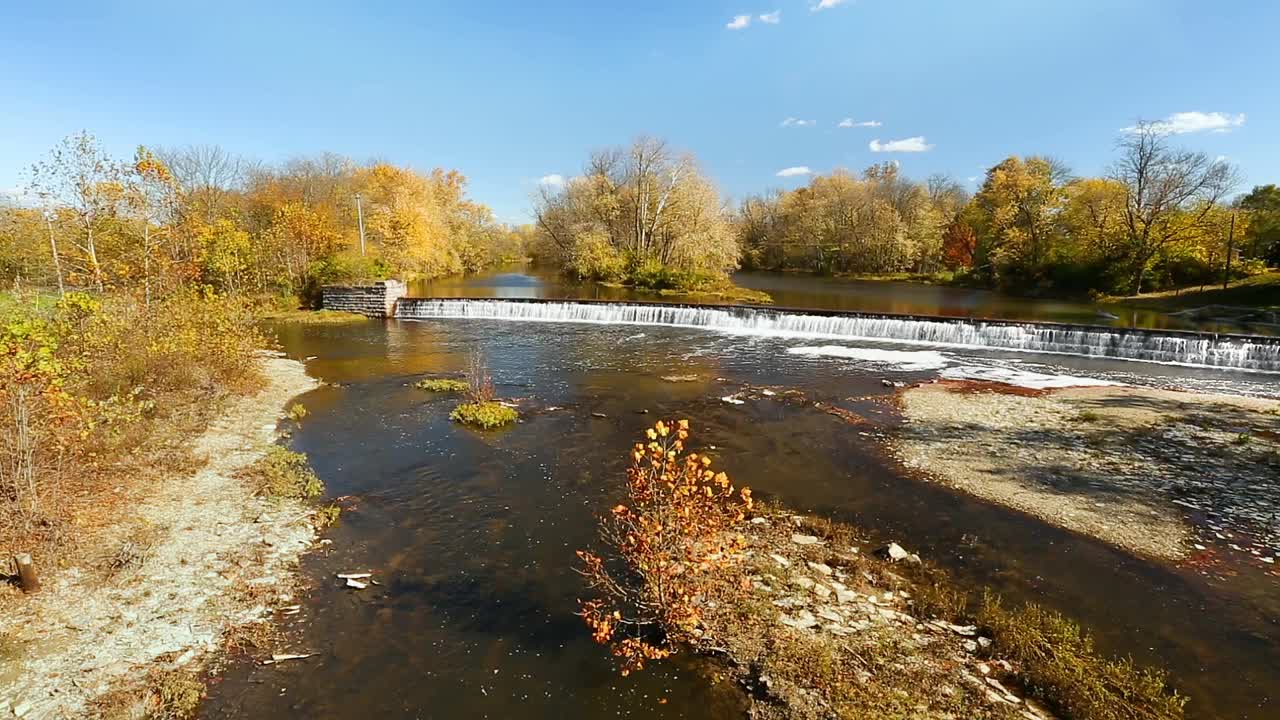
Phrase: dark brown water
(472, 534)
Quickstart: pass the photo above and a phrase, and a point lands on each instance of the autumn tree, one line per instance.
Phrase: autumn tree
(152, 195)
(958, 245)
(637, 207)
(1171, 194)
(678, 527)
(84, 186)
(1018, 209)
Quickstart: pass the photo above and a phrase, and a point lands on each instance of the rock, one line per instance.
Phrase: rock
(823, 591)
(970, 646)
(820, 567)
(805, 539)
(759, 521)
(829, 614)
(846, 596)
(802, 621)
(357, 584)
(600, 415)
(780, 560)
(21, 709)
(282, 657)
(893, 383)
(895, 553)
(803, 582)
(733, 400)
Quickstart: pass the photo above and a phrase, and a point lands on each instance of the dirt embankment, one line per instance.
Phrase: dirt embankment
(217, 557)
(1160, 473)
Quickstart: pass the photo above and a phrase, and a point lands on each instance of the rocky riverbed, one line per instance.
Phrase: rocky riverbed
(831, 626)
(1172, 475)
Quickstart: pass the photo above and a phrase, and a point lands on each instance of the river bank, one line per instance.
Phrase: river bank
(208, 555)
(1165, 474)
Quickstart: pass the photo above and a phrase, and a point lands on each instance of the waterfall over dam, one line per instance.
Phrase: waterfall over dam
(1241, 352)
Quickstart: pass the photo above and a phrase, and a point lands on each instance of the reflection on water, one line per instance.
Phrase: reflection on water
(471, 535)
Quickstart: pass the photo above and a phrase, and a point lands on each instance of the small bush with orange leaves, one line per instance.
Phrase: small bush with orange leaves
(679, 529)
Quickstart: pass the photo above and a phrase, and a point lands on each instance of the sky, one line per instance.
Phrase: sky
(764, 92)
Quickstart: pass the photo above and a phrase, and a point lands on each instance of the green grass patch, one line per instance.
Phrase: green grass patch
(442, 385)
(1260, 291)
(1060, 665)
(285, 474)
(487, 414)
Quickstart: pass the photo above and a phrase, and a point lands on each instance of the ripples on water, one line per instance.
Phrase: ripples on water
(472, 534)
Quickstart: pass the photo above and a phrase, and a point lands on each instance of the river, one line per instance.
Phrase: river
(472, 535)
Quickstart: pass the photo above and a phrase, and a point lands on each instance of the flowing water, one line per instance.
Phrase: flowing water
(471, 535)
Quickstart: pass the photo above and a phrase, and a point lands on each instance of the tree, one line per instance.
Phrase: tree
(80, 179)
(1263, 237)
(1170, 194)
(958, 245)
(209, 177)
(652, 206)
(1018, 207)
(152, 195)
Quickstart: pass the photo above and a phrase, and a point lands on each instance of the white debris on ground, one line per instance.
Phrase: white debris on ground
(82, 633)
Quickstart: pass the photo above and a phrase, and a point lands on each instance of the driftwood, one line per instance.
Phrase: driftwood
(27, 578)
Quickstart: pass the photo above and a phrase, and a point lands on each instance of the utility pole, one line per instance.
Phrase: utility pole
(360, 219)
(1231, 239)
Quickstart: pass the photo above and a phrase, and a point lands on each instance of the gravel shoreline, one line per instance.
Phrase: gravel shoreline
(83, 635)
(1161, 473)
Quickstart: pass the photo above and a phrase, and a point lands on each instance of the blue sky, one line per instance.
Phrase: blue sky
(511, 92)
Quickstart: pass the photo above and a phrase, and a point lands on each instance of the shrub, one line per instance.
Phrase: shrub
(680, 524)
(485, 414)
(326, 516)
(443, 385)
(479, 382)
(297, 411)
(90, 377)
(282, 473)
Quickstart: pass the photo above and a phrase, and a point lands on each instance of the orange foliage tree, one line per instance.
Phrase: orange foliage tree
(958, 245)
(680, 526)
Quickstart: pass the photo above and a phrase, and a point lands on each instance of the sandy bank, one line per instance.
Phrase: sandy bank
(219, 558)
(1160, 473)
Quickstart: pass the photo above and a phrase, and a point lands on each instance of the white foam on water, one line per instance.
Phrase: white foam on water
(1020, 378)
(904, 360)
(1235, 352)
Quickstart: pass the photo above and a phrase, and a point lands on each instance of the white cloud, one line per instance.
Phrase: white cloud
(772, 18)
(796, 171)
(739, 22)
(1190, 122)
(849, 123)
(796, 122)
(827, 5)
(552, 180)
(973, 178)
(911, 144)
